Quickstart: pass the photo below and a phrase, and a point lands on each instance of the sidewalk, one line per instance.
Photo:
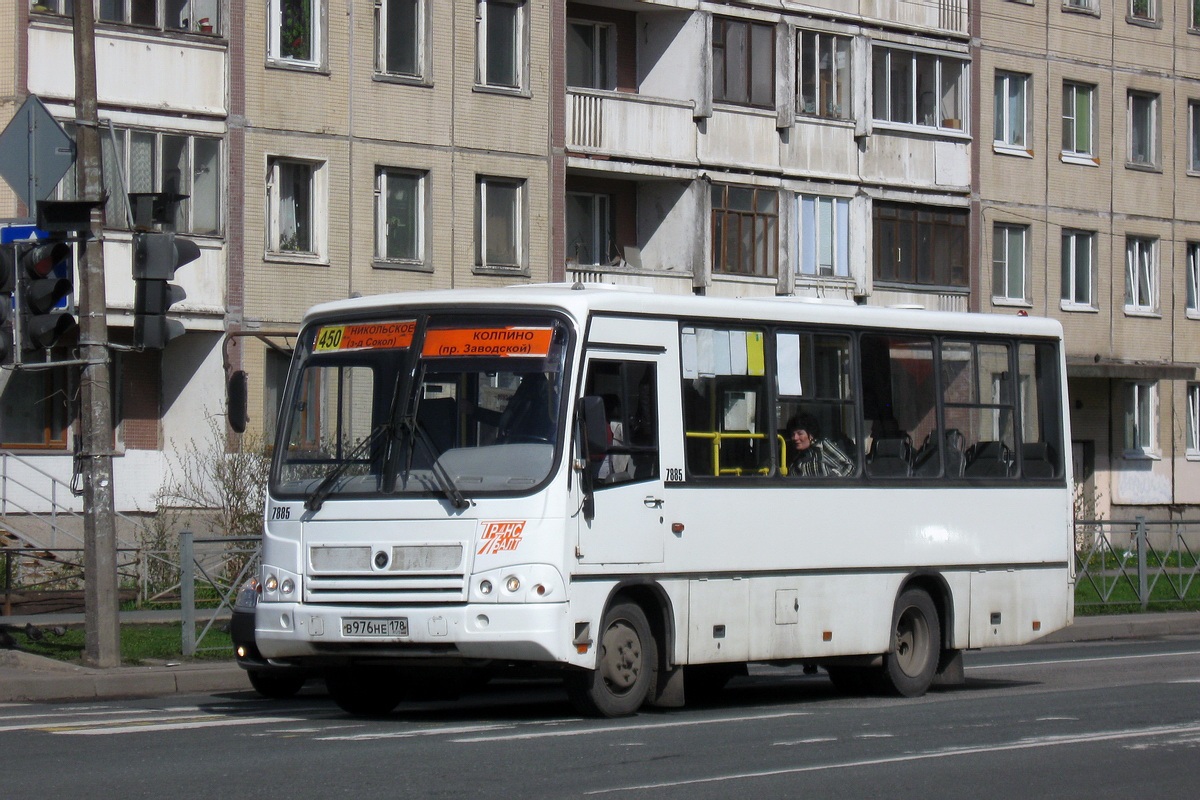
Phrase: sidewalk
(27, 678)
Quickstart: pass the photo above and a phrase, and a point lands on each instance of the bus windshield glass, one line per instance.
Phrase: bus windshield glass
(443, 404)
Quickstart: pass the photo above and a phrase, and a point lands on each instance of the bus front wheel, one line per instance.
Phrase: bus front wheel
(366, 691)
(910, 664)
(625, 666)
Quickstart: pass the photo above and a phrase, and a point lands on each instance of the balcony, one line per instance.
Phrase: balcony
(621, 125)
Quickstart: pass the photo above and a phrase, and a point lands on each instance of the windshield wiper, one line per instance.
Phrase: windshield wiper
(417, 432)
(316, 498)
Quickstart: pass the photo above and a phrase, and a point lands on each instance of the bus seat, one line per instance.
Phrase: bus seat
(437, 417)
(925, 462)
(988, 459)
(890, 457)
(1037, 460)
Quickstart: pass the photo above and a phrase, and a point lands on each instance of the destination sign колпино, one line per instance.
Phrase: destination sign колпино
(505, 342)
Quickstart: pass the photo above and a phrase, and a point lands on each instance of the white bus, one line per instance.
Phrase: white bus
(605, 484)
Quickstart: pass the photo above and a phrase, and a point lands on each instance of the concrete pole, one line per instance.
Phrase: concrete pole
(102, 632)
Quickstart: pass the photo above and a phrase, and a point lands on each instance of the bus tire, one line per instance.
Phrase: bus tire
(625, 666)
(853, 681)
(275, 685)
(366, 691)
(912, 660)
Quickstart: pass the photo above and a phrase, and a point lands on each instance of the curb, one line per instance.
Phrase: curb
(29, 678)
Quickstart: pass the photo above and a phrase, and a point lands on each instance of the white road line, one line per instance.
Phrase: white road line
(175, 726)
(1083, 660)
(815, 740)
(1022, 744)
(407, 734)
(633, 727)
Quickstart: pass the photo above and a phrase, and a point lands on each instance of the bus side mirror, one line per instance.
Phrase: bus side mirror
(237, 401)
(595, 427)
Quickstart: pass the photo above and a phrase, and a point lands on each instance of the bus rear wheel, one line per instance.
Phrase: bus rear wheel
(366, 691)
(625, 666)
(911, 662)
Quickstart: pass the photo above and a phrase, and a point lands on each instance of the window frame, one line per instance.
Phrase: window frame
(1192, 280)
(604, 58)
(1004, 271)
(812, 231)
(1154, 133)
(882, 101)
(600, 221)
(1193, 166)
(1005, 136)
(910, 229)
(1141, 275)
(483, 224)
(383, 30)
(419, 258)
(840, 81)
(1148, 14)
(519, 61)
(209, 25)
(1071, 265)
(1141, 420)
(1072, 154)
(317, 212)
(722, 215)
(276, 56)
(1192, 421)
(750, 69)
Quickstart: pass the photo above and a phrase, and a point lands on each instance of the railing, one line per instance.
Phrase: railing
(44, 581)
(1136, 563)
(224, 570)
(631, 125)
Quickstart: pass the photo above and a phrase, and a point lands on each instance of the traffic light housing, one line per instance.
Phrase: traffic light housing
(156, 256)
(43, 269)
(7, 285)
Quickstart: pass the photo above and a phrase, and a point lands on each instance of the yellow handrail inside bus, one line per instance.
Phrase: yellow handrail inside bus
(717, 437)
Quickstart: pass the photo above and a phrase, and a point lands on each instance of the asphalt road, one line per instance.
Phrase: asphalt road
(1089, 720)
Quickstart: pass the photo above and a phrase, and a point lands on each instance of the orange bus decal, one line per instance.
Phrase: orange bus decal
(367, 336)
(500, 536)
(504, 342)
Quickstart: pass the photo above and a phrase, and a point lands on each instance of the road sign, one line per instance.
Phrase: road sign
(35, 152)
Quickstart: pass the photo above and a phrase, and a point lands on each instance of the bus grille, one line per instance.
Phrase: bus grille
(361, 574)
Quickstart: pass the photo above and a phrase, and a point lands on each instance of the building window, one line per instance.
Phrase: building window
(149, 161)
(745, 230)
(1195, 15)
(743, 55)
(591, 55)
(33, 409)
(1010, 107)
(1077, 119)
(919, 88)
(1141, 274)
(1009, 245)
(1143, 10)
(589, 228)
(1143, 129)
(823, 75)
(824, 236)
(400, 46)
(1078, 257)
(1193, 279)
(399, 216)
(293, 193)
(920, 245)
(1082, 5)
(1194, 135)
(197, 16)
(500, 43)
(499, 229)
(1141, 419)
(295, 31)
(1193, 420)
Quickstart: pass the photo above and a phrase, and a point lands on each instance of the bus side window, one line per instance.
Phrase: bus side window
(630, 394)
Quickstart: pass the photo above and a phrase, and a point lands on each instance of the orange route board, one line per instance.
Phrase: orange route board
(366, 336)
(505, 342)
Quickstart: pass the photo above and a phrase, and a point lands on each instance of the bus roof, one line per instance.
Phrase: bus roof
(580, 300)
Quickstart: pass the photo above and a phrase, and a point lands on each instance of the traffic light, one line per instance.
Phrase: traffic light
(156, 256)
(7, 284)
(44, 270)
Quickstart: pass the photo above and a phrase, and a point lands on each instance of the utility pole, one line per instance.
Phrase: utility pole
(102, 632)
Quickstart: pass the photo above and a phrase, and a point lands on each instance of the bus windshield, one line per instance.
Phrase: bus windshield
(430, 404)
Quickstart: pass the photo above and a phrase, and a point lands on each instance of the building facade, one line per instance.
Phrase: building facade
(999, 156)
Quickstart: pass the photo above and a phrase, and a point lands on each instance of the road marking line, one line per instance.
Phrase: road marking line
(815, 740)
(635, 727)
(1083, 660)
(363, 737)
(179, 726)
(1023, 744)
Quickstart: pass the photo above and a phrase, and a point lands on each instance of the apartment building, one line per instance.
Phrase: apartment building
(1088, 192)
(836, 150)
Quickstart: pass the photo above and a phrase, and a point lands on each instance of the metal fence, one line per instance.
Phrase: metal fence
(218, 566)
(1136, 563)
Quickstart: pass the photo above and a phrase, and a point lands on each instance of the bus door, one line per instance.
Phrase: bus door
(628, 524)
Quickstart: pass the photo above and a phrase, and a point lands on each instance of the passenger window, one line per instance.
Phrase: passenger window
(1041, 414)
(630, 394)
(725, 403)
(979, 397)
(812, 377)
(899, 401)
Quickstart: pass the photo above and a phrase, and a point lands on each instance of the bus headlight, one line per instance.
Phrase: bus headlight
(279, 585)
(272, 583)
(513, 584)
(524, 583)
(288, 586)
(485, 586)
